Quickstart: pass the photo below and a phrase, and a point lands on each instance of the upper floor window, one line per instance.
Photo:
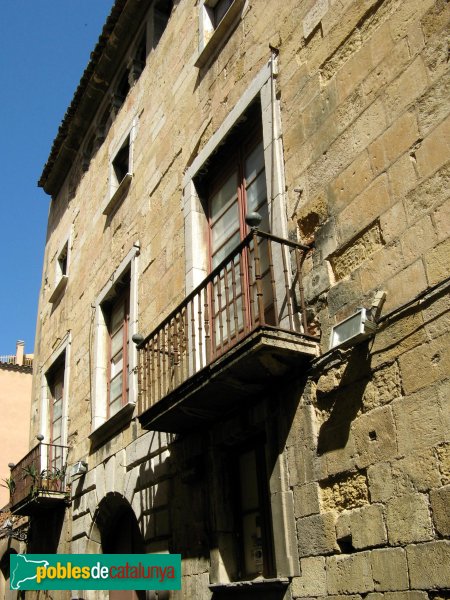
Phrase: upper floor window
(118, 315)
(61, 272)
(216, 21)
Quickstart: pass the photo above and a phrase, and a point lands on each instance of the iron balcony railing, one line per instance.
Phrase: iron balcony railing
(41, 472)
(258, 284)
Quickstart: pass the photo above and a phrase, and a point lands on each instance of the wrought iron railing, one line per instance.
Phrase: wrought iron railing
(41, 471)
(258, 284)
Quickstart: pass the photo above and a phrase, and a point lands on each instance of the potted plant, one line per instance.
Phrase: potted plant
(10, 484)
(31, 472)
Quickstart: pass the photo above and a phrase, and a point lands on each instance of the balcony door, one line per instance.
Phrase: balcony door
(236, 187)
(55, 457)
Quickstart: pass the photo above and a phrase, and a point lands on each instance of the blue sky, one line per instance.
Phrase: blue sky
(44, 47)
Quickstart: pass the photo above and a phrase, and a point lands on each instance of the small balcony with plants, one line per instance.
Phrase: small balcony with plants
(232, 338)
(38, 482)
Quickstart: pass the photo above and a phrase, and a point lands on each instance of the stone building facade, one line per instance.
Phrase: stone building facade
(202, 394)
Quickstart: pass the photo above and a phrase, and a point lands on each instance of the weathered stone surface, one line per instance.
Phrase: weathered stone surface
(349, 574)
(418, 418)
(426, 565)
(344, 492)
(375, 436)
(306, 500)
(389, 569)
(316, 535)
(313, 579)
(349, 259)
(367, 527)
(384, 387)
(408, 519)
(440, 506)
(436, 263)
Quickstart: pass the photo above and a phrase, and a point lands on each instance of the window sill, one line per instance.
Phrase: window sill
(256, 586)
(60, 287)
(107, 429)
(118, 194)
(220, 34)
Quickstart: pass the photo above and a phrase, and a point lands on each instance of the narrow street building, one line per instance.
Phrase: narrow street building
(242, 351)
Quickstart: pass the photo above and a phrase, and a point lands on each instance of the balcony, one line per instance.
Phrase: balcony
(38, 481)
(241, 329)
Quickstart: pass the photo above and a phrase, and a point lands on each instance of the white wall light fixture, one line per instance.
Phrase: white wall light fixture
(353, 329)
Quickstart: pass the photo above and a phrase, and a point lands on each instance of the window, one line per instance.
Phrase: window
(121, 168)
(217, 20)
(56, 387)
(118, 346)
(114, 378)
(253, 514)
(234, 185)
(61, 272)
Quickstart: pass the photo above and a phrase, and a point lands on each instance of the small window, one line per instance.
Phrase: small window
(62, 272)
(120, 173)
(121, 162)
(217, 20)
(218, 10)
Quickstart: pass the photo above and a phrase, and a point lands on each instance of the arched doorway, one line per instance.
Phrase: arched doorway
(119, 534)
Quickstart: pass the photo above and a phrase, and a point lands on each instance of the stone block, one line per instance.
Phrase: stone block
(381, 482)
(390, 569)
(364, 209)
(426, 364)
(405, 285)
(343, 293)
(429, 194)
(432, 106)
(306, 500)
(316, 535)
(367, 527)
(418, 238)
(381, 267)
(418, 420)
(393, 221)
(384, 387)
(440, 506)
(436, 262)
(349, 574)
(350, 182)
(404, 90)
(434, 150)
(415, 595)
(396, 140)
(313, 578)
(403, 179)
(347, 260)
(408, 519)
(443, 453)
(426, 562)
(317, 281)
(375, 436)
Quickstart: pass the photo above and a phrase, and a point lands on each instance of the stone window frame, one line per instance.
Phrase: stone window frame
(118, 189)
(211, 35)
(196, 269)
(46, 370)
(62, 263)
(195, 219)
(103, 427)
